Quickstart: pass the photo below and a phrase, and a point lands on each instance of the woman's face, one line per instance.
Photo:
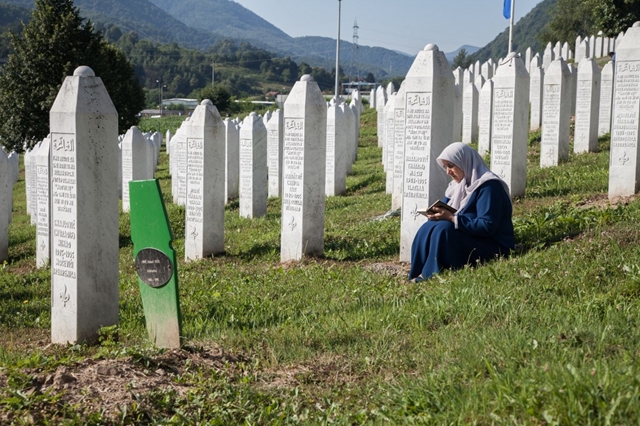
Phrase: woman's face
(454, 171)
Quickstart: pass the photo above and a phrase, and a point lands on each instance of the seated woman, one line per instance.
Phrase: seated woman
(481, 228)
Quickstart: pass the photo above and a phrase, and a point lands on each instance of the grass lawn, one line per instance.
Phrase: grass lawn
(549, 336)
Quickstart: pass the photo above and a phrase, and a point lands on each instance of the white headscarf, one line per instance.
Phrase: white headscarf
(475, 173)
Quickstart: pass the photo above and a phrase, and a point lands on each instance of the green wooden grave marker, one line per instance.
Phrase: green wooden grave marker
(155, 263)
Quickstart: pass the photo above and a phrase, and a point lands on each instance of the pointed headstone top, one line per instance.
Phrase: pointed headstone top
(306, 77)
(206, 102)
(253, 114)
(431, 46)
(636, 24)
(83, 71)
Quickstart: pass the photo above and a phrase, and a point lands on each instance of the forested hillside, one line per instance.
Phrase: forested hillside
(525, 34)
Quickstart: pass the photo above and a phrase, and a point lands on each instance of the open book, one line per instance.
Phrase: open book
(439, 204)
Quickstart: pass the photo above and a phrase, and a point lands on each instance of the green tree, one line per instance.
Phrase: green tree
(614, 16)
(570, 18)
(52, 45)
(462, 60)
(217, 94)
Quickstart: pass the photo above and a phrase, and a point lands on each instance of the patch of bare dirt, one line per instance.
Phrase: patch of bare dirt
(603, 201)
(105, 385)
(326, 371)
(395, 269)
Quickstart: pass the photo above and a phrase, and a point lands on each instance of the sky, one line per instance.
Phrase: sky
(402, 25)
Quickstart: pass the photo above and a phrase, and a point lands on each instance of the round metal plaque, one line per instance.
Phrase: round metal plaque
(153, 267)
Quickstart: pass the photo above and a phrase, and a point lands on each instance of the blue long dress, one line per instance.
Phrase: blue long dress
(485, 230)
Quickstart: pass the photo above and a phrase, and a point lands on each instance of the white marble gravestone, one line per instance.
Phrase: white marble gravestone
(457, 113)
(381, 101)
(386, 115)
(580, 54)
(565, 50)
(592, 47)
(30, 184)
(14, 162)
(557, 49)
(536, 76)
(84, 209)
(389, 146)
(527, 58)
(304, 158)
(232, 153)
(624, 162)
(486, 70)
(485, 116)
(6, 204)
(275, 139)
(429, 87)
(336, 151)
(585, 138)
(556, 114)
(467, 79)
(356, 124)
(167, 143)
(350, 136)
(574, 86)
(179, 161)
(253, 167)
(599, 46)
(548, 56)
(510, 129)
(204, 212)
(135, 162)
(43, 191)
(470, 114)
(458, 75)
(583, 50)
(606, 98)
(398, 149)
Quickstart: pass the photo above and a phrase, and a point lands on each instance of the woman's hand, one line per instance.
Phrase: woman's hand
(441, 214)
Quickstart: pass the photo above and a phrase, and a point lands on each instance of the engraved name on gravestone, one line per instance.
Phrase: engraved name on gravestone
(623, 163)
